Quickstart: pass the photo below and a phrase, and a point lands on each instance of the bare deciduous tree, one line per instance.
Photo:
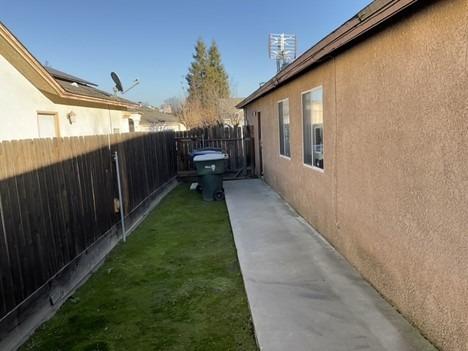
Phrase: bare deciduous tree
(175, 104)
(228, 112)
(192, 113)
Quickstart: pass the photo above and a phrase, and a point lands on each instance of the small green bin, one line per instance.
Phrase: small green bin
(210, 170)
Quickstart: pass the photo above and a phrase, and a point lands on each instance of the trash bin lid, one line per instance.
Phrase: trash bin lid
(210, 157)
(202, 152)
(218, 149)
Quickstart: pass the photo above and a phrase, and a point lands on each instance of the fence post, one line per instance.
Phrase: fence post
(121, 204)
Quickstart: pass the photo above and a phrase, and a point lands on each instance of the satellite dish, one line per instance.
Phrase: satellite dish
(118, 83)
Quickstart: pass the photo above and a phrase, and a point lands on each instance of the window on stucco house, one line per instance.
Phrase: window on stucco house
(312, 124)
(283, 119)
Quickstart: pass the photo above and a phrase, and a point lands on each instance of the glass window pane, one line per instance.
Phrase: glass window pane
(287, 151)
(281, 134)
(283, 119)
(307, 127)
(317, 127)
(312, 126)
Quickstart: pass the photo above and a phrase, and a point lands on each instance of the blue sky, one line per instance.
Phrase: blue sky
(153, 40)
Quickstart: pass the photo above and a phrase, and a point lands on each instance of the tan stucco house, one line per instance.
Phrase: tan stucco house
(38, 101)
(366, 136)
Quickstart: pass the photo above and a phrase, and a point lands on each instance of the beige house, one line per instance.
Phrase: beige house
(366, 136)
(153, 120)
(40, 101)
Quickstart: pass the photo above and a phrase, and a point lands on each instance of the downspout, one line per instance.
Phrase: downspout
(335, 142)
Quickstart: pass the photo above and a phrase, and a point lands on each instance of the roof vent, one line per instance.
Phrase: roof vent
(75, 84)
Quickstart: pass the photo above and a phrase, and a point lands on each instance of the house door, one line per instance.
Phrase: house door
(260, 143)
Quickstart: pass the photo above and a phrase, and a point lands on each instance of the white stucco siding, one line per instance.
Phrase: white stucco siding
(20, 101)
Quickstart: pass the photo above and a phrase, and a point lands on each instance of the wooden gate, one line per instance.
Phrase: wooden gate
(237, 142)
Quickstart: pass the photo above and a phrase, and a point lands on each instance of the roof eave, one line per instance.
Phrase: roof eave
(49, 80)
(369, 18)
(107, 102)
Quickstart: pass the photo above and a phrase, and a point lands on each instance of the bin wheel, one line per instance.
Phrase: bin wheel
(199, 188)
(219, 195)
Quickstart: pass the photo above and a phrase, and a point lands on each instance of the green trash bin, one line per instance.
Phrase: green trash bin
(210, 170)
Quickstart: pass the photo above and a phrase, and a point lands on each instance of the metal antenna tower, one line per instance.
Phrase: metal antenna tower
(282, 48)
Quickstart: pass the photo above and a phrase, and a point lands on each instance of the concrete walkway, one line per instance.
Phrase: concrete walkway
(302, 294)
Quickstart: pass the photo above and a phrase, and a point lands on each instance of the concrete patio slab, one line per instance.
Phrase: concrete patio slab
(303, 295)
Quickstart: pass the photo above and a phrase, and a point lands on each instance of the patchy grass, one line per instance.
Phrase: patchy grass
(175, 285)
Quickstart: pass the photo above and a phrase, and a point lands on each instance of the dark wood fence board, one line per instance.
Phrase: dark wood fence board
(9, 258)
(57, 199)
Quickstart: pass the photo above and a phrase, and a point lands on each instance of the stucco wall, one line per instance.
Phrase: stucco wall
(20, 101)
(394, 195)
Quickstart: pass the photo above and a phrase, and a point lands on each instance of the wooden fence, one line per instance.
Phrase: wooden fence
(237, 142)
(57, 197)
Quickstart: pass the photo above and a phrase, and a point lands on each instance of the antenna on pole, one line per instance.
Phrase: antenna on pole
(282, 48)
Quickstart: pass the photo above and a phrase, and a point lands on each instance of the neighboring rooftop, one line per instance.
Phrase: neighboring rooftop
(154, 116)
(52, 81)
(231, 101)
(76, 85)
(67, 77)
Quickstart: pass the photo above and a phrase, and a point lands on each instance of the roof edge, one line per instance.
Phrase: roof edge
(371, 16)
(55, 87)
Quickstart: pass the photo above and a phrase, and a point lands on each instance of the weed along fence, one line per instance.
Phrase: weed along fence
(59, 198)
(237, 142)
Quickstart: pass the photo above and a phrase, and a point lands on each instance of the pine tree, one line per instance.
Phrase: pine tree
(217, 76)
(196, 77)
(207, 83)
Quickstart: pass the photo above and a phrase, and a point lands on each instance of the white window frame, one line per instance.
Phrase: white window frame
(53, 114)
(317, 169)
(277, 119)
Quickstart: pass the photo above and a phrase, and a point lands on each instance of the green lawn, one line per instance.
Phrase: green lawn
(175, 285)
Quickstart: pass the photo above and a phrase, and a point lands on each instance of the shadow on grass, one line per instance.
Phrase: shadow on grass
(175, 285)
